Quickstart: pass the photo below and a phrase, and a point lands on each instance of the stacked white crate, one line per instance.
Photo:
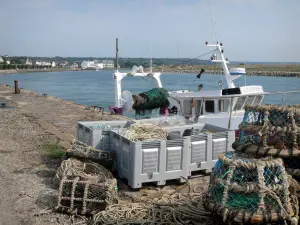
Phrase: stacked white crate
(158, 161)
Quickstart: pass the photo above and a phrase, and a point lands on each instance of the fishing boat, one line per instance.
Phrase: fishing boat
(223, 107)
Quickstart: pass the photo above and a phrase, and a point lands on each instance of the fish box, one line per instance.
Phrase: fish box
(96, 133)
(150, 161)
(206, 142)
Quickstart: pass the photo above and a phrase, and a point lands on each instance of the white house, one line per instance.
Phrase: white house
(87, 64)
(74, 65)
(108, 63)
(1, 60)
(7, 61)
(53, 64)
(28, 62)
(98, 64)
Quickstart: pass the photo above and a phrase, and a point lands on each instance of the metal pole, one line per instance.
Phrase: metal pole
(17, 91)
(117, 52)
(282, 99)
(229, 122)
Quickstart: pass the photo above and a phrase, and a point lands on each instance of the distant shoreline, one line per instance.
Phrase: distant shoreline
(23, 71)
(278, 70)
(251, 70)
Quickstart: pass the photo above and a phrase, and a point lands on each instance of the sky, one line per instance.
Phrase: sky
(250, 30)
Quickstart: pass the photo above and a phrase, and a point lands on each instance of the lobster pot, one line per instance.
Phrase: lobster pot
(206, 142)
(83, 151)
(247, 190)
(96, 133)
(270, 130)
(91, 171)
(150, 161)
(84, 197)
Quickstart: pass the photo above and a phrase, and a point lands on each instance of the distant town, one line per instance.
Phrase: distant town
(23, 62)
(58, 62)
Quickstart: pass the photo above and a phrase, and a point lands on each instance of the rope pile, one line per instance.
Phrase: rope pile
(143, 132)
(163, 207)
(145, 102)
(249, 190)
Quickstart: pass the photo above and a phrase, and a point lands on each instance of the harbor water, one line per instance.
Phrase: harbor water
(97, 87)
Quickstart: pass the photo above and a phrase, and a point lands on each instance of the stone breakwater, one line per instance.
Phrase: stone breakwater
(248, 73)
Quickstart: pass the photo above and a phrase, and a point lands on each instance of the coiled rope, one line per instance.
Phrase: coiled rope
(164, 207)
(143, 132)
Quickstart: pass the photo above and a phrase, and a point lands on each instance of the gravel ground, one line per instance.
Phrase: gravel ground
(26, 187)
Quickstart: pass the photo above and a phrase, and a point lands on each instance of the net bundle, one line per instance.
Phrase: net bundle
(245, 190)
(145, 102)
(80, 196)
(270, 130)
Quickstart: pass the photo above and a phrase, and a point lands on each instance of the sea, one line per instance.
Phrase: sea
(97, 87)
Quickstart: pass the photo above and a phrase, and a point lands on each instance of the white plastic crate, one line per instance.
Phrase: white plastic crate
(150, 161)
(96, 133)
(204, 146)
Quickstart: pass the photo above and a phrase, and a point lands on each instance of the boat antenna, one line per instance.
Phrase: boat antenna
(117, 52)
(212, 21)
(177, 73)
(151, 57)
(245, 74)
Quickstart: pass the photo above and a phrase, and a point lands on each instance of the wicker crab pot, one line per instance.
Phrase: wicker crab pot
(77, 196)
(244, 190)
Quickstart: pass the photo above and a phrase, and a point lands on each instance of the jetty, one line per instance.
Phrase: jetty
(35, 131)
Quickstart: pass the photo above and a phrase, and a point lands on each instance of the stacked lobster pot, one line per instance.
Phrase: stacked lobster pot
(255, 184)
(272, 131)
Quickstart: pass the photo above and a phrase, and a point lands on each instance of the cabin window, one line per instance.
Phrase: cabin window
(210, 106)
(257, 100)
(249, 100)
(223, 105)
(239, 103)
(187, 107)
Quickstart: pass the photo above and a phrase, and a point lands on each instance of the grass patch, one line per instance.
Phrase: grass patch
(54, 150)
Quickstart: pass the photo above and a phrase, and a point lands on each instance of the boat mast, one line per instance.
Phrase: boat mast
(117, 52)
(224, 61)
(150, 57)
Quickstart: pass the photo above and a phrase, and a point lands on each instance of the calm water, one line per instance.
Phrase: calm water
(97, 87)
